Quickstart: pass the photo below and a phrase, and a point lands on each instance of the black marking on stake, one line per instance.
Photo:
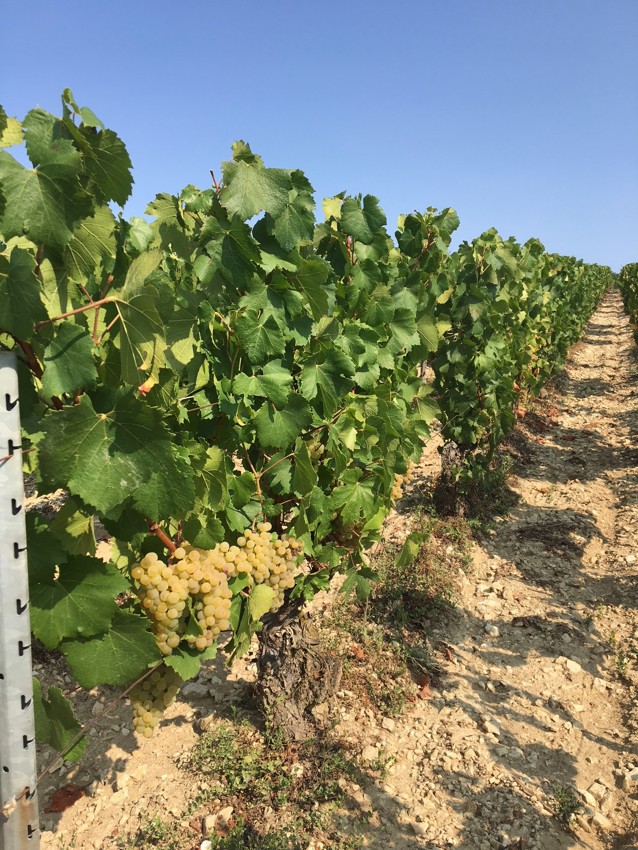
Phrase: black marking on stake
(15, 507)
(26, 741)
(13, 448)
(31, 831)
(17, 549)
(20, 608)
(1, 675)
(24, 702)
(10, 404)
(22, 647)
(5, 768)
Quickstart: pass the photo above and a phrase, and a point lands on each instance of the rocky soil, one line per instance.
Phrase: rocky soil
(538, 698)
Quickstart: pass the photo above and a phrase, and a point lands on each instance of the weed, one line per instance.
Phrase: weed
(621, 664)
(153, 833)
(565, 803)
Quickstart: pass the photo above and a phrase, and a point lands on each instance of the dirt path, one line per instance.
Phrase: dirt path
(539, 696)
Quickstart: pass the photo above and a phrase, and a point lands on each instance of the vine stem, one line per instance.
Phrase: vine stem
(216, 185)
(257, 483)
(154, 528)
(32, 360)
(94, 305)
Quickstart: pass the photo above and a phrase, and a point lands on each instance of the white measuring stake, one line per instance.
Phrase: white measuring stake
(19, 822)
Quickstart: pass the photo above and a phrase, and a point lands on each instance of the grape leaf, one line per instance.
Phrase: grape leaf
(55, 723)
(260, 600)
(68, 361)
(116, 657)
(108, 165)
(312, 277)
(10, 130)
(80, 601)
(40, 204)
(304, 476)
(274, 384)
(249, 188)
(141, 337)
(20, 299)
(47, 143)
(260, 335)
(92, 242)
(362, 222)
(111, 460)
(278, 428)
(74, 529)
(329, 374)
(187, 662)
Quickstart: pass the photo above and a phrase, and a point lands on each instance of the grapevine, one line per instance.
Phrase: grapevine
(234, 366)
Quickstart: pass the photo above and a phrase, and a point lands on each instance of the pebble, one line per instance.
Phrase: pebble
(389, 724)
(598, 791)
(573, 666)
(492, 630)
(98, 708)
(370, 753)
(196, 690)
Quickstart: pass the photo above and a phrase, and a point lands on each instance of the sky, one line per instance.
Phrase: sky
(520, 114)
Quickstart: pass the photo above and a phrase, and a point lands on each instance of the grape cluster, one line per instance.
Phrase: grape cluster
(267, 558)
(400, 481)
(201, 576)
(315, 450)
(152, 697)
(195, 582)
(165, 589)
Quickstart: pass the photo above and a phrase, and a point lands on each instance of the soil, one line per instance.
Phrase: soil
(537, 698)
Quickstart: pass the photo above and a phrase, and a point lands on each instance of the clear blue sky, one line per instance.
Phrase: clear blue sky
(521, 114)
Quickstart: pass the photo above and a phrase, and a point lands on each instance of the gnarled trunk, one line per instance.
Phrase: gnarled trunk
(294, 675)
(447, 498)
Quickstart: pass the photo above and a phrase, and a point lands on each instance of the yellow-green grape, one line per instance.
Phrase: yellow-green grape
(152, 697)
(163, 595)
(315, 449)
(204, 573)
(269, 559)
(400, 481)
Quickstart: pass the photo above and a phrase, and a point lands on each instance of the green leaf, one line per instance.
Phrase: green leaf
(141, 337)
(68, 361)
(74, 529)
(109, 165)
(116, 459)
(273, 384)
(279, 428)
(362, 222)
(10, 130)
(80, 601)
(187, 662)
(328, 374)
(260, 600)
(428, 332)
(92, 242)
(249, 188)
(55, 723)
(40, 204)
(260, 335)
(20, 297)
(48, 143)
(88, 117)
(117, 657)
(312, 277)
(355, 497)
(410, 549)
(304, 477)
(295, 224)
